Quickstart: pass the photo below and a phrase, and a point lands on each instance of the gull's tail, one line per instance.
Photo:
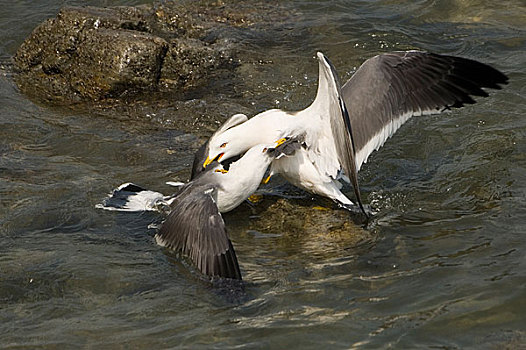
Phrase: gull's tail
(134, 198)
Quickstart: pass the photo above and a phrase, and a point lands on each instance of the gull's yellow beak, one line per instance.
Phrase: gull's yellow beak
(266, 180)
(280, 141)
(208, 160)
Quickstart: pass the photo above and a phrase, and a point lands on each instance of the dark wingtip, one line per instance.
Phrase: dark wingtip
(229, 265)
(480, 73)
(219, 266)
(462, 78)
(131, 187)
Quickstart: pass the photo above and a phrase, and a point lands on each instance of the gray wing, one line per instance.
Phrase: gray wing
(196, 229)
(390, 88)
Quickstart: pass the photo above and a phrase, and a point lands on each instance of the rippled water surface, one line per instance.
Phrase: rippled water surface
(443, 265)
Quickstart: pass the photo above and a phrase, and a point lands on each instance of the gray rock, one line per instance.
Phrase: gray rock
(111, 61)
(85, 53)
(89, 53)
(172, 63)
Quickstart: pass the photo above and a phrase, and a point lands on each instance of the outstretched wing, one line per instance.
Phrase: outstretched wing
(196, 229)
(337, 144)
(390, 88)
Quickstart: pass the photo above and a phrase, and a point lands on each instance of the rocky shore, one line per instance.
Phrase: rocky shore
(150, 62)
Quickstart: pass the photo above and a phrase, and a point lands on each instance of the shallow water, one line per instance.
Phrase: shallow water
(444, 265)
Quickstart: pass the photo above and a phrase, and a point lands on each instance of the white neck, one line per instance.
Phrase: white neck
(242, 178)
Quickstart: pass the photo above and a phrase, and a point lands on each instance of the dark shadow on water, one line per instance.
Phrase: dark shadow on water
(228, 291)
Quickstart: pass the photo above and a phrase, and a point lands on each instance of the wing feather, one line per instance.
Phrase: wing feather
(390, 88)
(195, 228)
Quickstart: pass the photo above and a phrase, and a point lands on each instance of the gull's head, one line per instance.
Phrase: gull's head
(228, 141)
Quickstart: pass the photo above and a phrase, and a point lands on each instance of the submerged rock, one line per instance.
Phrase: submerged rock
(312, 220)
(301, 221)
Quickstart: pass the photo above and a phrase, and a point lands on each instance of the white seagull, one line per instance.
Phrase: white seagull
(344, 125)
(195, 226)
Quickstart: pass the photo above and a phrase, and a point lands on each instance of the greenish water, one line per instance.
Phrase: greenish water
(444, 266)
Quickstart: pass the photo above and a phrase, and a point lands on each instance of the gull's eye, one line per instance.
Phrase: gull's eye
(223, 145)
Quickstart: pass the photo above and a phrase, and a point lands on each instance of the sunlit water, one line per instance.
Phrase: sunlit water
(445, 265)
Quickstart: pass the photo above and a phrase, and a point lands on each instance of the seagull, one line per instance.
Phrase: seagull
(195, 226)
(345, 124)
(317, 166)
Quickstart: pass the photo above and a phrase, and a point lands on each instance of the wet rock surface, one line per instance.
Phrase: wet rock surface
(302, 221)
(88, 54)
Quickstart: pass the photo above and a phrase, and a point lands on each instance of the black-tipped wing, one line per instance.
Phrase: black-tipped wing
(390, 88)
(196, 229)
(130, 197)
